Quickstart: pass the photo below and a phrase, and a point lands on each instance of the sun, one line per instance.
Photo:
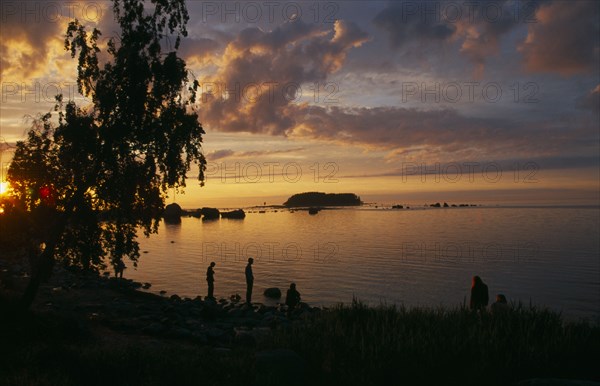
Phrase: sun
(4, 186)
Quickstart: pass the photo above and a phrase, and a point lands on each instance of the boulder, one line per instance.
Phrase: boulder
(234, 313)
(235, 214)
(273, 293)
(172, 213)
(210, 213)
(210, 310)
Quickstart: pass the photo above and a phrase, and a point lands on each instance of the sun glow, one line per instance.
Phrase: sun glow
(4, 186)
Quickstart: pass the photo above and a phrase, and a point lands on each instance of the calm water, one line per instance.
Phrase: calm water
(547, 256)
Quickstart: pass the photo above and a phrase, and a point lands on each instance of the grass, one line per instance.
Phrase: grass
(346, 345)
(360, 345)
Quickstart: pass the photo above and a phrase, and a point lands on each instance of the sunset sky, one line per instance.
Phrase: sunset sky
(489, 102)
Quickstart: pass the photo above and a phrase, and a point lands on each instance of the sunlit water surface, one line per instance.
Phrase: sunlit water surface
(546, 256)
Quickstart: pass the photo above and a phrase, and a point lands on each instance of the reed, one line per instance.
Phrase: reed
(360, 345)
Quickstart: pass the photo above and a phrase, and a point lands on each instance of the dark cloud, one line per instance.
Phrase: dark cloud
(407, 21)
(442, 133)
(219, 154)
(417, 134)
(529, 167)
(198, 47)
(591, 100)
(565, 38)
(473, 28)
(228, 153)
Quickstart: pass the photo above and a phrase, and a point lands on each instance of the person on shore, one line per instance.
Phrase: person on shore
(119, 268)
(292, 298)
(500, 306)
(249, 280)
(479, 294)
(210, 279)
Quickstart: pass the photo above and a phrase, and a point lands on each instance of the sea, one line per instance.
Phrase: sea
(426, 257)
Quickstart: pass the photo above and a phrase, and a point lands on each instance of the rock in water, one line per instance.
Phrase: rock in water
(210, 213)
(172, 213)
(235, 214)
(273, 293)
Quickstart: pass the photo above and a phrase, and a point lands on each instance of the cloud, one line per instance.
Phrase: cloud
(591, 100)
(228, 153)
(4, 146)
(413, 134)
(26, 49)
(526, 165)
(474, 27)
(261, 73)
(258, 67)
(442, 134)
(565, 39)
(32, 41)
(406, 22)
(198, 51)
(219, 154)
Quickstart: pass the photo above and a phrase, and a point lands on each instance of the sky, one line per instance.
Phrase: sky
(400, 102)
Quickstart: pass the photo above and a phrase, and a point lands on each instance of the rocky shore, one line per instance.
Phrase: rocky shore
(118, 305)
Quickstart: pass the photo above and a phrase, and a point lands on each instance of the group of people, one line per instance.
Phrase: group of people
(480, 297)
(292, 298)
(478, 301)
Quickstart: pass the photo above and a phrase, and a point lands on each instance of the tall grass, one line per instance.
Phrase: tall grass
(346, 345)
(361, 345)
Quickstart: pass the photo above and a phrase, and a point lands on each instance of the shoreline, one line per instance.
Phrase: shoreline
(120, 305)
(389, 206)
(96, 325)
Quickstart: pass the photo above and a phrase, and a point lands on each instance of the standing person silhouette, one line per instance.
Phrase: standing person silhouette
(210, 279)
(249, 280)
(479, 294)
(292, 298)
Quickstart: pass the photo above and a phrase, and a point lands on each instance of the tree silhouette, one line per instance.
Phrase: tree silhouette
(88, 177)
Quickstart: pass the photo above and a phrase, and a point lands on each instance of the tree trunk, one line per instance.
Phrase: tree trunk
(41, 271)
(41, 268)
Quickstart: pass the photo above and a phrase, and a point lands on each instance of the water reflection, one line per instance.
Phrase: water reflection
(424, 257)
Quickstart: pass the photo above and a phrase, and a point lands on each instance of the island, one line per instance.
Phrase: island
(322, 199)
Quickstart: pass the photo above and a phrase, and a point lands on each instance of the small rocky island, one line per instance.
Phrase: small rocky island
(317, 199)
